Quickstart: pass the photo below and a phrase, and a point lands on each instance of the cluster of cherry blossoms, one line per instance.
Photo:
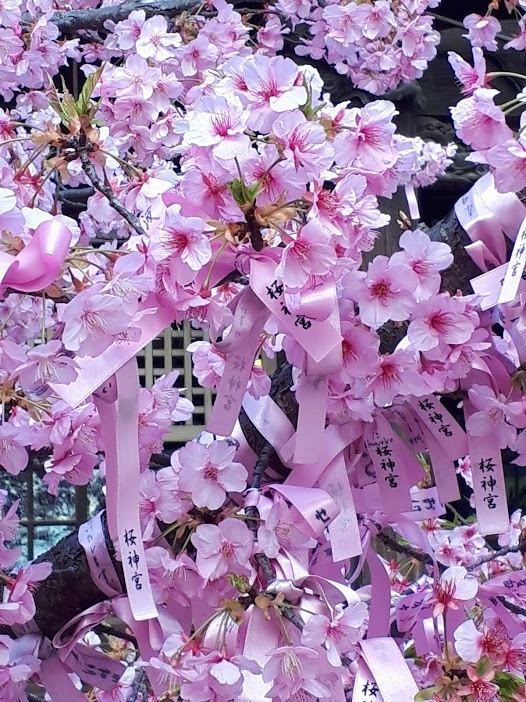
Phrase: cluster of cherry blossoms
(228, 191)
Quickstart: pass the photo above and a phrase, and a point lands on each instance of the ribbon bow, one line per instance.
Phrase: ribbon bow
(40, 262)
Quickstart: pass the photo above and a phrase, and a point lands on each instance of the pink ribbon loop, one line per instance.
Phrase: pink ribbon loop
(40, 261)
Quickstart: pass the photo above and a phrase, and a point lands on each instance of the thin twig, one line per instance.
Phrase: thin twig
(404, 549)
(293, 618)
(261, 465)
(99, 185)
(139, 686)
(252, 512)
(521, 546)
(111, 631)
(512, 607)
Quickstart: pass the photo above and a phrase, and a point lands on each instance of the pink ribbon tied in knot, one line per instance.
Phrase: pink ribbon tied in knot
(40, 261)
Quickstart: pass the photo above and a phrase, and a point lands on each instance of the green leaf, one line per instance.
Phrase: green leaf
(237, 189)
(84, 104)
(426, 694)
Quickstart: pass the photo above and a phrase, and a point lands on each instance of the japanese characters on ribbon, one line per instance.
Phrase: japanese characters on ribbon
(488, 485)
(515, 268)
(442, 425)
(390, 471)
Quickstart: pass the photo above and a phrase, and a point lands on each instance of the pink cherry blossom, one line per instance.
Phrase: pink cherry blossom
(426, 259)
(470, 77)
(508, 163)
(219, 123)
(209, 473)
(222, 548)
(272, 88)
(13, 456)
(19, 604)
(339, 634)
(155, 42)
(91, 320)
(384, 292)
(310, 254)
(45, 364)
(482, 31)
(439, 319)
(183, 237)
(495, 417)
(479, 122)
(366, 140)
(293, 670)
(453, 587)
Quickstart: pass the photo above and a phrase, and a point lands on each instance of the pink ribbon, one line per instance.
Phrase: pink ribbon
(119, 421)
(241, 346)
(271, 422)
(443, 470)
(365, 688)
(489, 487)
(335, 439)
(380, 605)
(389, 463)
(389, 669)
(344, 533)
(40, 261)
(315, 506)
(103, 573)
(445, 429)
(412, 202)
(315, 333)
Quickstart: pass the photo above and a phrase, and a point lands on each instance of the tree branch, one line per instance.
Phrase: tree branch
(515, 609)
(406, 550)
(521, 546)
(99, 185)
(70, 22)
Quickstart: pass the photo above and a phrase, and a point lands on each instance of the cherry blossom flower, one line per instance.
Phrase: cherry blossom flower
(222, 548)
(19, 605)
(339, 634)
(479, 122)
(280, 530)
(470, 77)
(360, 350)
(15, 670)
(13, 456)
(439, 319)
(480, 686)
(154, 42)
(453, 587)
(272, 88)
(45, 365)
(183, 237)
(426, 259)
(294, 669)
(508, 163)
(482, 31)
(396, 374)
(310, 254)
(384, 292)
(91, 320)
(366, 140)
(495, 417)
(219, 123)
(208, 473)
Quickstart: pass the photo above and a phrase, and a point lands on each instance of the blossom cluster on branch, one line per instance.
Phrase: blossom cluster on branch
(233, 194)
